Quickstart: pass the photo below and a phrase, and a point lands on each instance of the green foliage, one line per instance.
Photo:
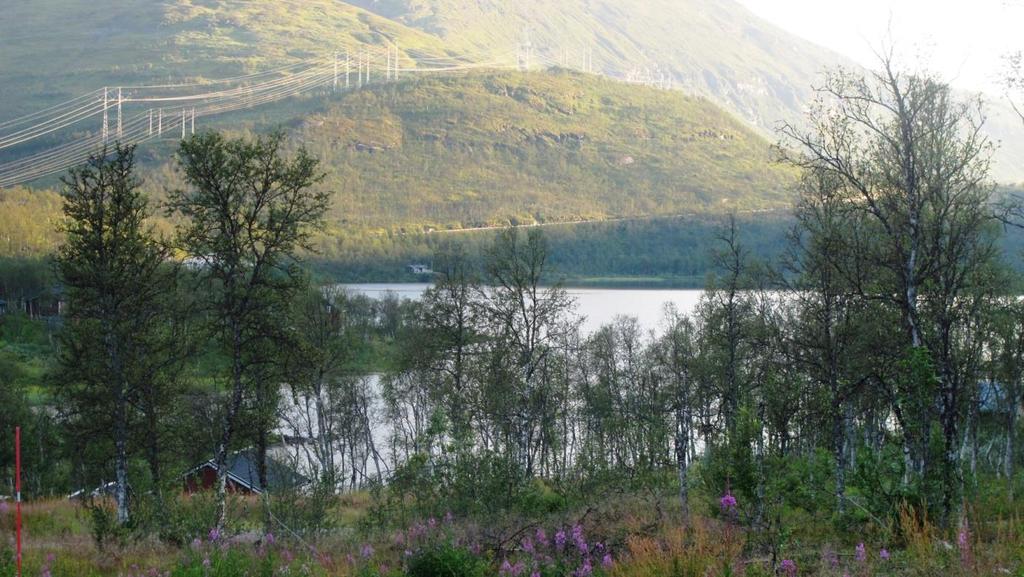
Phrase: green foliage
(235, 562)
(309, 513)
(179, 520)
(446, 560)
(103, 523)
(731, 466)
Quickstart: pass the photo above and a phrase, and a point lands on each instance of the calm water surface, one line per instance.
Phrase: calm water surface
(597, 306)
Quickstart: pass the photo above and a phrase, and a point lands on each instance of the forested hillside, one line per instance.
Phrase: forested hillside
(535, 147)
(483, 150)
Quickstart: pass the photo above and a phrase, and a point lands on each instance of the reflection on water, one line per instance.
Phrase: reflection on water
(598, 306)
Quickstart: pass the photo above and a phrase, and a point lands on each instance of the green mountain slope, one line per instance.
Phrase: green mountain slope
(487, 149)
(54, 50)
(715, 48)
(491, 149)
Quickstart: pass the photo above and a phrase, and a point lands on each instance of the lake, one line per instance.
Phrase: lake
(597, 306)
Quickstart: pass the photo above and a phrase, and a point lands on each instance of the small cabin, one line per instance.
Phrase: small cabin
(243, 475)
(46, 304)
(420, 269)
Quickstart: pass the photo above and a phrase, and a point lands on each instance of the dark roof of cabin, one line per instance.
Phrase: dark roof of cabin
(242, 470)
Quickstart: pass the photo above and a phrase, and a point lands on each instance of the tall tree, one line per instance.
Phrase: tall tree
(912, 162)
(114, 273)
(525, 320)
(247, 211)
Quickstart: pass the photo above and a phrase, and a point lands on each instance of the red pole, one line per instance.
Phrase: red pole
(17, 491)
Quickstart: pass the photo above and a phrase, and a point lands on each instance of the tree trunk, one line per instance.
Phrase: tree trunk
(682, 443)
(228, 427)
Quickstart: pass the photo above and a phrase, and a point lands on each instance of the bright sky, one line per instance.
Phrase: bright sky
(963, 41)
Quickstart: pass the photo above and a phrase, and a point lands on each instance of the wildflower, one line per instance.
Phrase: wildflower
(432, 523)
(788, 568)
(506, 568)
(214, 534)
(860, 554)
(269, 538)
(541, 536)
(585, 570)
(536, 573)
(384, 568)
(4, 507)
(884, 554)
(197, 543)
(963, 540)
(206, 561)
(606, 561)
(560, 540)
(727, 502)
(528, 545)
(408, 553)
(366, 551)
(448, 518)
(287, 556)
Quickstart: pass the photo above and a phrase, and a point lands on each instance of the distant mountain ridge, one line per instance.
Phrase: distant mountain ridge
(716, 48)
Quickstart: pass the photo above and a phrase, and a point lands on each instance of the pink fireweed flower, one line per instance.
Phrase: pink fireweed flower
(788, 568)
(528, 545)
(432, 523)
(366, 551)
(727, 503)
(214, 534)
(585, 570)
(541, 537)
(606, 562)
(860, 553)
(963, 541)
(269, 539)
(884, 554)
(560, 540)
(506, 568)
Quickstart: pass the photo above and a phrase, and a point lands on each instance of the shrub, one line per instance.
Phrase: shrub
(103, 522)
(446, 560)
(308, 514)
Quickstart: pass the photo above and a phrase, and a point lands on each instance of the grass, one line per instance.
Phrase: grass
(643, 532)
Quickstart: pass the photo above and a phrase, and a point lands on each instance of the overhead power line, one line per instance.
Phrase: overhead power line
(171, 110)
